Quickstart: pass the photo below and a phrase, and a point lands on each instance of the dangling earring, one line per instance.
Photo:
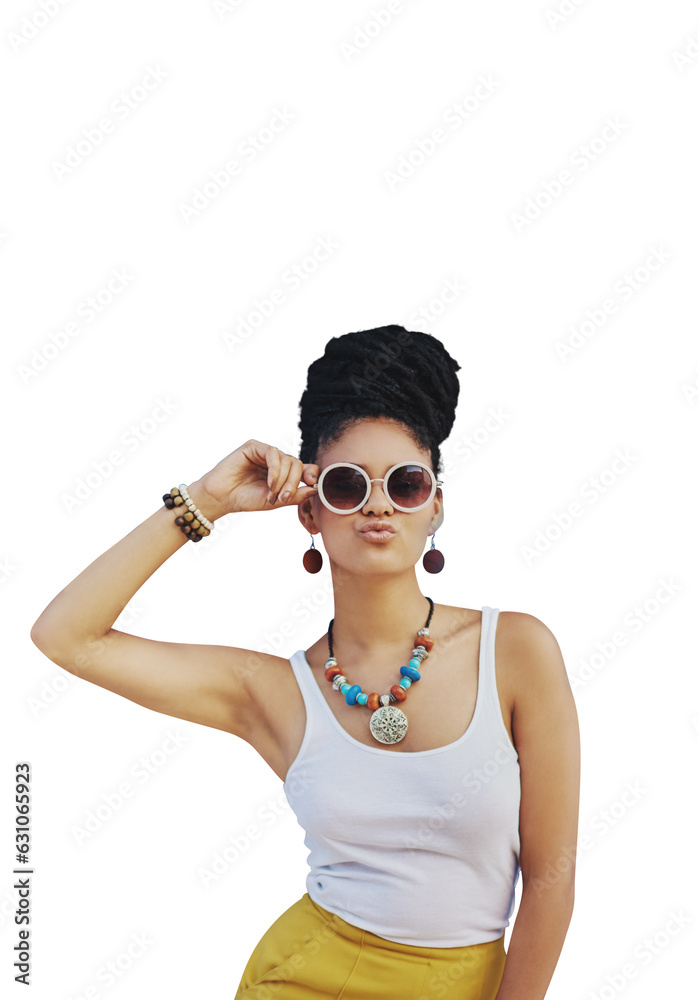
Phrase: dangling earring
(312, 558)
(433, 560)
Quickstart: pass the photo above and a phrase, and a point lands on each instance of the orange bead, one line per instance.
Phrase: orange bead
(426, 641)
(373, 701)
(332, 672)
(399, 692)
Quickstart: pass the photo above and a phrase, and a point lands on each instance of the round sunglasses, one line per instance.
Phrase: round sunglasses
(344, 487)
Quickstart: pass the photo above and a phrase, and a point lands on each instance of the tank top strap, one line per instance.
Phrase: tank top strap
(487, 679)
(304, 676)
(316, 708)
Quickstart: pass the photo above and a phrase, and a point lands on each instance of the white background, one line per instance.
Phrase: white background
(360, 100)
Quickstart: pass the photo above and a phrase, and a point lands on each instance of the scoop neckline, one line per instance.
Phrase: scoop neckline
(480, 697)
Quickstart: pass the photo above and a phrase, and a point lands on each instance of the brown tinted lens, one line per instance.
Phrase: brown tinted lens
(344, 487)
(409, 485)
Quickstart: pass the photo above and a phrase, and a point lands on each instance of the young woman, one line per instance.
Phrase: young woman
(429, 751)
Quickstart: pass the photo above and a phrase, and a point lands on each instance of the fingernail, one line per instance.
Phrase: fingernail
(284, 497)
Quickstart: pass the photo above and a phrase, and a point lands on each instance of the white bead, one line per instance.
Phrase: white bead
(193, 508)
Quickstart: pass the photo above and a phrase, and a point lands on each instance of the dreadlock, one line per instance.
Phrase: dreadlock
(390, 372)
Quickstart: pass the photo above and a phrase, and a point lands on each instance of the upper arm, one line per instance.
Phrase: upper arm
(546, 736)
(206, 684)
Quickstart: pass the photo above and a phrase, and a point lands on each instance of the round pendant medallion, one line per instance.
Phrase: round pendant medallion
(388, 724)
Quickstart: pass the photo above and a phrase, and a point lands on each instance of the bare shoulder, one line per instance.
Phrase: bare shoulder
(525, 627)
(529, 654)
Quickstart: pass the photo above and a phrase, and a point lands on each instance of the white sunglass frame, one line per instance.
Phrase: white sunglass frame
(435, 483)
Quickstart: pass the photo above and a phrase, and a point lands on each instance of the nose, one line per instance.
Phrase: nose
(377, 502)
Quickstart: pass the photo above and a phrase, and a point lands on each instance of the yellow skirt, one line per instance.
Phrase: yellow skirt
(309, 952)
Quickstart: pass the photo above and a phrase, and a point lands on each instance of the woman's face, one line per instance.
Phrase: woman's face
(376, 445)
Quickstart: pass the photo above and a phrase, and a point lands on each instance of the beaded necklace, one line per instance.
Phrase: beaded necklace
(388, 722)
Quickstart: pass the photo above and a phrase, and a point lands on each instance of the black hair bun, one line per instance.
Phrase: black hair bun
(407, 376)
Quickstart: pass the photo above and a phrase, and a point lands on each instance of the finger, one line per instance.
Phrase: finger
(281, 476)
(288, 489)
(303, 493)
(311, 474)
(271, 458)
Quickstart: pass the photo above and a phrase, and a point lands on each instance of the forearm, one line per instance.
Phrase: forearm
(90, 604)
(536, 941)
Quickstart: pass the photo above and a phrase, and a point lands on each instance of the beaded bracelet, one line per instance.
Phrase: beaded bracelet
(193, 524)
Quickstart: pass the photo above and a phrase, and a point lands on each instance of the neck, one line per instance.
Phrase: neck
(376, 614)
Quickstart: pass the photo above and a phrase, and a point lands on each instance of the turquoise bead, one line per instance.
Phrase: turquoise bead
(344, 688)
(411, 673)
(362, 698)
(405, 682)
(415, 663)
(351, 694)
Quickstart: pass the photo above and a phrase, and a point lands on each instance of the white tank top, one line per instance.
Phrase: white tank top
(420, 848)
